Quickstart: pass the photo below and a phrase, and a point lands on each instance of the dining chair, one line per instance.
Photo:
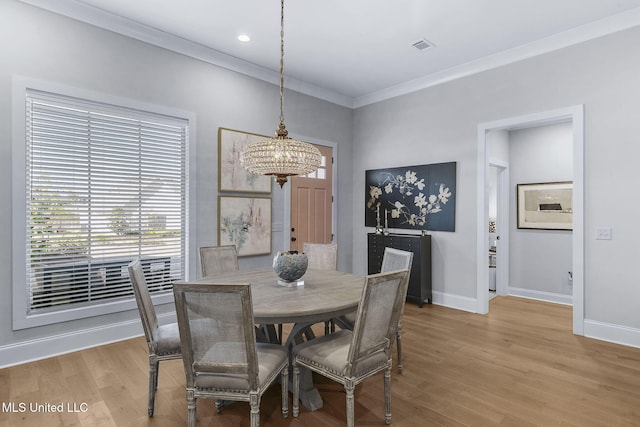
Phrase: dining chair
(393, 259)
(350, 357)
(221, 358)
(163, 340)
(322, 256)
(218, 259)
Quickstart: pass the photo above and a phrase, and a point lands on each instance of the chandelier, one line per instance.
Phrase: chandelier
(281, 156)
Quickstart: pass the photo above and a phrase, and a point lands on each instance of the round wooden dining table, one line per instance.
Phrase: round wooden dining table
(326, 294)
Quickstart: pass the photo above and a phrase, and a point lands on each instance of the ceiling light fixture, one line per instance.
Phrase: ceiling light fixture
(244, 38)
(281, 156)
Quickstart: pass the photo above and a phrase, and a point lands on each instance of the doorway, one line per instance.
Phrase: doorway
(575, 115)
(498, 213)
(311, 204)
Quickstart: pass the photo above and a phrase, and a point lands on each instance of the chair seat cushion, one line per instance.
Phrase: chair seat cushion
(168, 340)
(270, 358)
(329, 353)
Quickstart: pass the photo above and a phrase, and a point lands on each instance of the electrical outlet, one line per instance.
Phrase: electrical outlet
(603, 233)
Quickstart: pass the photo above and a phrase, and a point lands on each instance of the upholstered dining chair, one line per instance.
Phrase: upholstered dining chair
(221, 357)
(393, 259)
(322, 256)
(218, 259)
(163, 340)
(350, 357)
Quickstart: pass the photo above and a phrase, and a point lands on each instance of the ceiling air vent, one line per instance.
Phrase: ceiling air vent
(423, 44)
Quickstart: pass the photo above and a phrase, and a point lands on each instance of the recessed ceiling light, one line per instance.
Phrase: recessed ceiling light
(244, 38)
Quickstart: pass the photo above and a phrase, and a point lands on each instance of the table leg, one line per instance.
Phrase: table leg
(309, 394)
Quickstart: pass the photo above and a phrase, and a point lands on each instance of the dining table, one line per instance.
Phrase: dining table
(321, 295)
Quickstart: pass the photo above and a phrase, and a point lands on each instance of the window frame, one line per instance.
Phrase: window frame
(21, 317)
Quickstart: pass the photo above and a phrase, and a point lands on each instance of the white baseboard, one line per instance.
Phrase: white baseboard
(612, 333)
(541, 295)
(54, 345)
(455, 301)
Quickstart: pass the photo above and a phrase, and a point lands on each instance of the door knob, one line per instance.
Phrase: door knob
(293, 239)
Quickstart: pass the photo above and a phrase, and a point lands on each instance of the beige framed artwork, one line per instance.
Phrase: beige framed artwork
(232, 176)
(545, 206)
(245, 222)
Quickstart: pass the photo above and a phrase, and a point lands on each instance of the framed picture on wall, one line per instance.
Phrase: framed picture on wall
(232, 176)
(545, 206)
(421, 197)
(246, 223)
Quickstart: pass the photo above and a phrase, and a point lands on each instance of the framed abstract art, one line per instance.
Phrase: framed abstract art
(232, 176)
(546, 206)
(246, 223)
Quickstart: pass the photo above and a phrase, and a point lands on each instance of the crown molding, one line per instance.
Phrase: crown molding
(612, 24)
(100, 18)
(117, 24)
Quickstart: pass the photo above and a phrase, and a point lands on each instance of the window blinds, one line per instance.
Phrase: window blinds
(105, 185)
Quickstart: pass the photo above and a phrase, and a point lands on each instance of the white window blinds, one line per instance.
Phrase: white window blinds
(105, 185)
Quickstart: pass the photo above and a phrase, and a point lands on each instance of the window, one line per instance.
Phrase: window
(321, 172)
(104, 184)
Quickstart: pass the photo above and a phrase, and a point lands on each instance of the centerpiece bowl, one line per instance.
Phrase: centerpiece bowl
(290, 266)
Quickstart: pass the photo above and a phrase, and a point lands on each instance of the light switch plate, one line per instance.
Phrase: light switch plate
(603, 233)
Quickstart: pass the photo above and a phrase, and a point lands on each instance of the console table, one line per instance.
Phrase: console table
(419, 290)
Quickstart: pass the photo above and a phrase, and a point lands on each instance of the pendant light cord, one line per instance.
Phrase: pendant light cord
(281, 63)
(281, 156)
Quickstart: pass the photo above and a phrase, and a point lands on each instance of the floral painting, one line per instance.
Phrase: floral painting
(232, 176)
(412, 197)
(246, 223)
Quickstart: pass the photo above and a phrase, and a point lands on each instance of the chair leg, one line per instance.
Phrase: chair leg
(285, 392)
(399, 346)
(191, 408)
(153, 383)
(296, 389)
(155, 377)
(349, 388)
(254, 402)
(387, 395)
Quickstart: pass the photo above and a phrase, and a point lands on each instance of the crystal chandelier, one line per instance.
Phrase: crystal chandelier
(281, 156)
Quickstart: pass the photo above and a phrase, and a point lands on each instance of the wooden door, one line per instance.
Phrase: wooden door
(311, 204)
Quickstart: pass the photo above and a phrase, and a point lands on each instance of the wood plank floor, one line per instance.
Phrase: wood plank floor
(518, 366)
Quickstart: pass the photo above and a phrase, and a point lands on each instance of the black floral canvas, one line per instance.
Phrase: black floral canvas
(412, 197)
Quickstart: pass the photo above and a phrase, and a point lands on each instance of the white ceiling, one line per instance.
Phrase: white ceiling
(354, 52)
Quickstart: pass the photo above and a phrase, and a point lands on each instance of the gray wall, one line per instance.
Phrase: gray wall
(539, 260)
(439, 124)
(46, 46)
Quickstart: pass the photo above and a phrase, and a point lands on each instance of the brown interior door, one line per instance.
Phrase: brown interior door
(311, 204)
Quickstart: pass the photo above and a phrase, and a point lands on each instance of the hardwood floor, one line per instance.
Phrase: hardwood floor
(518, 366)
